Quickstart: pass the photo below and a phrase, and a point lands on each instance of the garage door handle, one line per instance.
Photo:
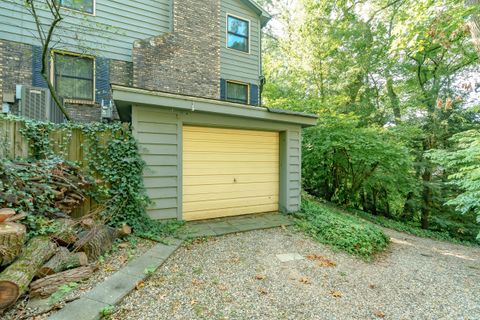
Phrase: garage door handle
(235, 180)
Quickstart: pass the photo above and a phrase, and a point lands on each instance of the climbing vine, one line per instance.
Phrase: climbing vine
(111, 156)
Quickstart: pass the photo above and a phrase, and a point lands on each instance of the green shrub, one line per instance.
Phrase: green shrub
(415, 229)
(340, 230)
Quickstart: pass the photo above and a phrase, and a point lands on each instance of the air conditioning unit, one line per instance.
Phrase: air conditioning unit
(107, 109)
(34, 102)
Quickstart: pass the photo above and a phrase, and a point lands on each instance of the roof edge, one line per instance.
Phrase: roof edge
(135, 96)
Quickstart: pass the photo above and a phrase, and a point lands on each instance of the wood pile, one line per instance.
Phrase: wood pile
(41, 265)
(62, 183)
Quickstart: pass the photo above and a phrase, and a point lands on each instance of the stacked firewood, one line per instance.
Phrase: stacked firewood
(43, 264)
(52, 187)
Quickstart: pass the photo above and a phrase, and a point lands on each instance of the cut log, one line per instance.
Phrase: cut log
(14, 280)
(67, 234)
(12, 238)
(62, 260)
(6, 213)
(44, 287)
(17, 217)
(96, 241)
(124, 230)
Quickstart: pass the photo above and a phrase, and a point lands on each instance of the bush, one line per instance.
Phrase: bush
(340, 230)
(414, 228)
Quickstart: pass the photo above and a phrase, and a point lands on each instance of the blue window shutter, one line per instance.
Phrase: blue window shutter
(37, 79)
(223, 89)
(253, 94)
(102, 80)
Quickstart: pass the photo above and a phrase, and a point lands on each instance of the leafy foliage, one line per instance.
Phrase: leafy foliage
(341, 231)
(111, 156)
(356, 166)
(404, 70)
(463, 165)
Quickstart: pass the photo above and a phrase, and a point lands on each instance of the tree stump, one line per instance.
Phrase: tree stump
(62, 260)
(44, 287)
(12, 238)
(14, 280)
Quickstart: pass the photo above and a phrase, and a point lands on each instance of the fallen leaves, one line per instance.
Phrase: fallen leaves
(305, 280)
(379, 314)
(336, 294)
(260, 277)
(322, 261)
(140, 285)
(372, 286)
(263, 291)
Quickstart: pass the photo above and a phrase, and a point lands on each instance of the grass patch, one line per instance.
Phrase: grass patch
(340, 230)
(409, 227)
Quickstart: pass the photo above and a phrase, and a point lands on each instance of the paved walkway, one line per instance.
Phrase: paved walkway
(222, 226)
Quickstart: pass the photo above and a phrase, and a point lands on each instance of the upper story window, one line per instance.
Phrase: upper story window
(86, 6)
(238, 33)
(74, 76)
(237, 92)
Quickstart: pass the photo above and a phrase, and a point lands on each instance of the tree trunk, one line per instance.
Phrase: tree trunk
(394, 100)
(427, 198)
(474, 24)
(14, 280)
(99, 240)
(63, 260)
(44, 287)
(12, 238)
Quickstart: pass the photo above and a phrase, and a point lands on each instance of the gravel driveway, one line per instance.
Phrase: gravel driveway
(240, 277)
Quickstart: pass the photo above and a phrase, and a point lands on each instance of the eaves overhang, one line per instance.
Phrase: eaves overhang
(126, 97)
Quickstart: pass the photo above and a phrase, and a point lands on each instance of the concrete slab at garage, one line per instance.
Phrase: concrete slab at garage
(209, 159)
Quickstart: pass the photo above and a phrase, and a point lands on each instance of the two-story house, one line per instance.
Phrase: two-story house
(187, 75)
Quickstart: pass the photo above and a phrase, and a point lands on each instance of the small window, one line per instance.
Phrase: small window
(237, 92)
(237, 34)
(74, 76)
(86, 6)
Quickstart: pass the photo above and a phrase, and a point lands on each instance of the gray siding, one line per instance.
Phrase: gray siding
(127, 21)
(159, 132)
(237, 65)
(294, 170)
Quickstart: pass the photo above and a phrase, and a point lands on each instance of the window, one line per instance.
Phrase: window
(237, 92)
(237, 34)
(86, 6)
(74, 76)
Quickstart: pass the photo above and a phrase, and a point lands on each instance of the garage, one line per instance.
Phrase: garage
(229, 172)
(206, 158)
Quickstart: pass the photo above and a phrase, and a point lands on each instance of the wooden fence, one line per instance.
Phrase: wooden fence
(66, 143)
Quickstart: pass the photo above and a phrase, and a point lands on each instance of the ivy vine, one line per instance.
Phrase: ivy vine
(111, 155)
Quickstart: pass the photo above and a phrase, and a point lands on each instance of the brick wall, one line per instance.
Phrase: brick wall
(186, 61)
(16, 65)
(121, 72)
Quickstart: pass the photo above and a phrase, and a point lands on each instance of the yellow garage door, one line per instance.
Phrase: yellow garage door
(229, 172)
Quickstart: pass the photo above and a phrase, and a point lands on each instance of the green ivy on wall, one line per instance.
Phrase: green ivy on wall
(111, 156)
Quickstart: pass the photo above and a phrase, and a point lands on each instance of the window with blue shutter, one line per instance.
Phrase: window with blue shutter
(222, 89)
(37, 78)
(253, 95)
(102, 80)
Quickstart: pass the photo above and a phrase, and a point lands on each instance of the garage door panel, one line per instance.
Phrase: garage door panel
(229, 172)
(229, 203)
(230, 148)
(227, 179)
(227, 212)
(230, 165)
(227, 157)
(264, 188)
